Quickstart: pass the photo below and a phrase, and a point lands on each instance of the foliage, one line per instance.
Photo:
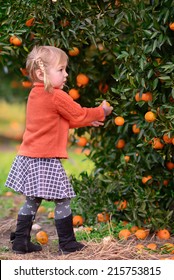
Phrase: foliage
(128, 46)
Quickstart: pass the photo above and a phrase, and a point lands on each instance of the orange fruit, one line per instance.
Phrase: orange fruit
(82, 141)
(51, 215)
(124, 234)
(24, 71)
(145, 179)
(165, 182)
(42, 237)
(103, 217)
(169, 165)
(30, 22)
(103, 87)
(41, 209)
(150, 116)
(169, 247)
(126, 158)
(139, 246)
(133, 229)
(141, 234)
(173, 140)
(119, 121)
(121, 205)
(27, 84)
(163, 234)
(120, 144)
(167, 139)
(74, 51)
(9, 194)
(152, 246)
(77, 220)
(171, 26)
(14, 40)
(107, 103)
(147, 96)
(74, 93)
(157, 144)
(135, 129)
(82, 80)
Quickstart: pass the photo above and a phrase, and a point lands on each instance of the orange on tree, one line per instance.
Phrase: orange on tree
(157, 144)
(27, 84)
(103, 217)
(42, 237)
(126, 158)
(74, 51)
(14, 40)
(147, 96)
(171, 26)
(121, 205)
(74, 93)
(30, 22)
(24, 71)
(133, 229)
(124, 234)
(165, 182)
(141, 234)
(169, 165)
(163, 234)
(119, 121)
(77, 220)
(82, 141)
(135, 129)
(167, 139)
(145, 179)
(120, 144)
(150, 116)
(82, 79)
(103, 87)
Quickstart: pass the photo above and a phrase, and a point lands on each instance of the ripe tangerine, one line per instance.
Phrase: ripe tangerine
(77, 220)
(150, 116)
(163, 234)
(74, 93)
(124, 234)
(82, 80)
(120, 144)
(119, 121)
(42, 237)
(74, 51)
(82, 141)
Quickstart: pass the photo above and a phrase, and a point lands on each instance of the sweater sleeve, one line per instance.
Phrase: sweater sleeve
(76, 115)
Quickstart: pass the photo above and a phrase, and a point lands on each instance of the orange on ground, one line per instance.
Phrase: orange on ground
(171, 26)
(127, 158)
(167, 139)
(152, 246)
(121, 205)
(147, 96)
(74, 93)
(169, 165)
(41, 209)
(74, 51)
(150, 116)
(103, 87)
(124, 234)
(27, 84)
(163, 234)
(77, 220)
(30, 22)
(119, 121)
(8, 194)
(42, 237)
(103, 217)
(82, 80)
(51, 215)
(139, 246)
(14, 40)
(145, 179)
(157, 144)
(120, 144)
(133, 229)
(141, 234)
(82, 141)
(135, 129)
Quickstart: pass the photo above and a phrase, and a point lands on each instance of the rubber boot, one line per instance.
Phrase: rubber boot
(67, 240)
(21, 238)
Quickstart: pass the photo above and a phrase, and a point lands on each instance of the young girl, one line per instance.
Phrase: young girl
(37, 171)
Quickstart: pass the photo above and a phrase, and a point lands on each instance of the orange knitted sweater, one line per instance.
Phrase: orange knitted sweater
(48, 119)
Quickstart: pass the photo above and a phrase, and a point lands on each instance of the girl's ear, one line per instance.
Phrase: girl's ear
(39, 74)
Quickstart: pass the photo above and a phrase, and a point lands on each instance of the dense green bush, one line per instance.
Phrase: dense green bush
(127, 45)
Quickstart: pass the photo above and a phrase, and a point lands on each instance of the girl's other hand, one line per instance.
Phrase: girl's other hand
(97, 123)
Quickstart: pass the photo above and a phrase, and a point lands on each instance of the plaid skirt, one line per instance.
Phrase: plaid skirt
(39, 177)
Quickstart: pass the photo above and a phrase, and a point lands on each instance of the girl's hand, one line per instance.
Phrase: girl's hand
(107, 109)
(97, 123)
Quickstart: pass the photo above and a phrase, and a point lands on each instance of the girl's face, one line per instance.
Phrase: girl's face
(58, 76)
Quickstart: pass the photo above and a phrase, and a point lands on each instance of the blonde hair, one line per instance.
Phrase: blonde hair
(44, 57)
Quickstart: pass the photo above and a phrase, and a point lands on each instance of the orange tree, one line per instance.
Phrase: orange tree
(125, 50)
